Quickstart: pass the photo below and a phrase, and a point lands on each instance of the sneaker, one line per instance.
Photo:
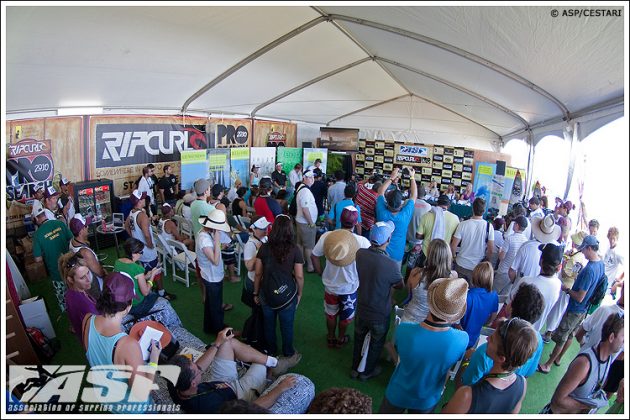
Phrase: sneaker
(375, 372)
(286, 363)
(169, 296)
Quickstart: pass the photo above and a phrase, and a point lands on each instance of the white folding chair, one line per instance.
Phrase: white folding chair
(183, 259)
(163, 249)
(240, 249)
(184, 226)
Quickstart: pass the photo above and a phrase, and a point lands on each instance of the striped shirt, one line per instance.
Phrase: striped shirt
(511, 245)
(366, 199)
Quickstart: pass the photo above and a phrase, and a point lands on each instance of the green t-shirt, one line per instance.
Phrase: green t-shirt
(132, 269)
(199, 208)
(51, 241)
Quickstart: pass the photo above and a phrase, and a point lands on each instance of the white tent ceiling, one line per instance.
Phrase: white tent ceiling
(479, 73)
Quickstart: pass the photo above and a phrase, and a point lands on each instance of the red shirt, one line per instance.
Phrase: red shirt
(366, 199)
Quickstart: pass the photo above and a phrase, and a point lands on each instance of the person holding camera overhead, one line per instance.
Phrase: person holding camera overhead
(391, 207)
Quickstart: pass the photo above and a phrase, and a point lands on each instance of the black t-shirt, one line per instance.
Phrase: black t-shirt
(168, 184)
(209, 399)
(319, 191)
(279, 178)
(378, 273)
(294, 257)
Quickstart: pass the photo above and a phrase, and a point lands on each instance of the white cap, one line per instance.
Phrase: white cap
(261, 224)
(308, 174)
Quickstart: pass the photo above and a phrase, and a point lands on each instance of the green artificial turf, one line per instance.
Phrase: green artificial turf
(326, 367)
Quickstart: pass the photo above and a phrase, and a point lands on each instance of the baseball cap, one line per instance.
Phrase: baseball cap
(120, 286)
(590, 240)
(64, 181)
(39, 212)
(201, 186)
(261, 224)
(551, 253)
(308, 174)
(136, 196)
(78, 222)
(349, 216)
(381, 232)
(166, 208)
(40, 187)
(50, 192)
(278, 163)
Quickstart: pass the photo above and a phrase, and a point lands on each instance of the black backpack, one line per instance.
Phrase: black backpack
(293, 204)
(599, 292)
(278, 287)
(254, 330)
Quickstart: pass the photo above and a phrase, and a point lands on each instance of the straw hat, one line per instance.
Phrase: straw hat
(340, 247)
(578, 237)
(545, 229)
(215, 220)
(447, 298)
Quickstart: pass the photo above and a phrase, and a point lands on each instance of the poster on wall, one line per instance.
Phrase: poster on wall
(289, 156)
(265, 157)
(29, 165)
(219, 167)
(194, 165)
(229, 133)
(310, 154)
(239, 165)
(339, 139)
(274, 134)
(484, 175)
(119, 146)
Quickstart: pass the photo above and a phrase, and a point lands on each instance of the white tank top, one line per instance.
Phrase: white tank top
(163, 233)
(148, 254)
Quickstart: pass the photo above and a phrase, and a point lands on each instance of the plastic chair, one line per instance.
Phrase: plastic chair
(184, 226)
(184, 259)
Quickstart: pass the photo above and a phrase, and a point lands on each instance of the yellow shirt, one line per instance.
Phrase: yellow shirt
(426, 228)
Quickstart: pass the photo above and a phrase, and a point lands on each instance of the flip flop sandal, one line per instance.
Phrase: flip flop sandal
(556, 363)
(227, 307)
(332, 341)
(539, 369)
(343, 341)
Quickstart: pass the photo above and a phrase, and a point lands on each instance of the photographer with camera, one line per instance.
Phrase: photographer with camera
(390, 207)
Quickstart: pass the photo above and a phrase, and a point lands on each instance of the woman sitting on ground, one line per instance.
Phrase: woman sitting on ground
(106, 344)
(147, 302)
(76, 274)
(501, 391)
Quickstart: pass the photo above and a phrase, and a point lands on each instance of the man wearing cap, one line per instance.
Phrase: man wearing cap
(265, 205)
(391, 207)
(547, 282)
(334, 215)
(138, 226)
(279, 178)
(167, 186)
(50, 242)
(305, 219)
(507, 253)
(37, 201)
(80, 244)
(257, 238)
(476, 237)
(200, 206)
(579, 295)
(378, 273)
(145, 185)
(50, 202)
(335, 191)
(319, 190)
(64, 185)
(340, 276)
(437, 223)
(418, 381)
(182, 208)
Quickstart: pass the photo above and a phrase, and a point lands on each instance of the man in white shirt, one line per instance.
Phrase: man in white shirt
(477, 238)
(64, 185)
(305, 219)
(50, 202)
(547, 282)
(335, 192)
(526, 262)
(518, 210)
(37, 202)
(340, 276)
(295, 176)
(613, 264)
(507, 253)
(145, 185)
(534, 208)
(258, 237)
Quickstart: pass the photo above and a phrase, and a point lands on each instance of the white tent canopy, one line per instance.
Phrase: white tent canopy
(436, 74)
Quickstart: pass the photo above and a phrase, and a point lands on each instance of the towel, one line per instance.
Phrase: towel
(438, 225)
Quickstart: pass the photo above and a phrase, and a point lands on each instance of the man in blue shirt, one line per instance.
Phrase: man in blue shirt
(334, 215)
(390, 207)
(579, 295)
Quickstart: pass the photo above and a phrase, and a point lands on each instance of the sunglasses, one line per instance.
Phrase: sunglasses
(72, 262)
(503, 332)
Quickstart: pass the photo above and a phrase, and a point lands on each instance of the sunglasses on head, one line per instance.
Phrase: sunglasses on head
(503, 332)
(73, 261)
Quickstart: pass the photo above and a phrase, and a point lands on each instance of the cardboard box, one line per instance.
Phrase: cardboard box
(36, 271)
(27, 244)
(34, 313)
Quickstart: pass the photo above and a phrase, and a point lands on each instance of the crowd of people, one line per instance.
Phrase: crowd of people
(487, 294)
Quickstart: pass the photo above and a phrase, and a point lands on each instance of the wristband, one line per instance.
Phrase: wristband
(150, 283)
(153, 364)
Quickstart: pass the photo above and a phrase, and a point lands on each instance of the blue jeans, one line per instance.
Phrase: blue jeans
(213, 308)
(378, 330)
(287, 316)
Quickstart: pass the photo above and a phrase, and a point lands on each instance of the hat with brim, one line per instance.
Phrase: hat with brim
(545, 229)
(121, 287)
(64, 181)
(261, 224)
(137, 196)
(189, 198)
(447, 299)
(139, 327)
(578, 237)
(215, 220)
(340, 248)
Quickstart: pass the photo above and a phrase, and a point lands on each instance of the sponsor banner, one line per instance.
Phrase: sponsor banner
(289, 156)
(229, 133)
(426, 178)
(427, 171)
(457, 182)
(378, 159)
(448, 166)
(459, 152)
(467, 161)
(446, 181)
(360, 171)
(388, 153)
(467, 169)
(194, 165)
(29, 165)
(360, 157)
(421, 151)
(437, 165)
(436, 172)
(438, 150)
(447, 174)
(274, 134)
(369, 151)
(449, 159)
(469, 153)
(219, 167)
(380, 145)
(369, 158)
(388, 167)
(369, 165)
(239, 165)
(408, 159)
(265, 157)
(449, 151)
(388, 160)
(438, 158)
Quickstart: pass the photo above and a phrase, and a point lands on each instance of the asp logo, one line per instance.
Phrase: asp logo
(131, 144)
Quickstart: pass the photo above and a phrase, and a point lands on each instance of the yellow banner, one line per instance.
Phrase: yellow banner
(217, 161)
(315, 155)
(485, 170)
(240, 153)
(193, 156)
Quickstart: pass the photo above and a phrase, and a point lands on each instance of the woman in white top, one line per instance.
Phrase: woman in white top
(254, 176)
(211, 268)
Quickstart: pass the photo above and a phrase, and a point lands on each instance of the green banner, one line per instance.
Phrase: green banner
(289, 156)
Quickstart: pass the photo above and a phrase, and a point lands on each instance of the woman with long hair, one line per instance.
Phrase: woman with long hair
(254, 175)
(438, 265)
(147, 303)
(106, 344)
(78, 278)
(279, 259)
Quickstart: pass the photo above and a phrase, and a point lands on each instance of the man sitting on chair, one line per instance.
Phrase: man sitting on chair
(167, 229)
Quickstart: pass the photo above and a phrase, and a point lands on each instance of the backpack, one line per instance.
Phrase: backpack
(278, 287)
(293, 204)
(599, 292)
(253, 332)
(42, 345)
